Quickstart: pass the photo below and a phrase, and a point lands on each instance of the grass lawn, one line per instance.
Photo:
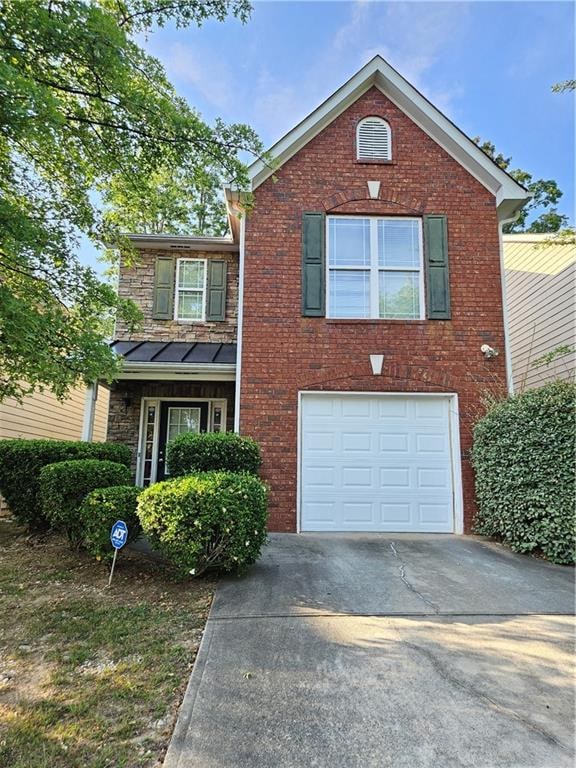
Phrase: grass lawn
(91, 677)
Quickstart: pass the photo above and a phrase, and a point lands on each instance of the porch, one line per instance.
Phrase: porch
(166, 388)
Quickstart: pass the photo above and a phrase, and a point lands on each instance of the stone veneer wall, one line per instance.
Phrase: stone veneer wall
(124, 422)
(137, 283)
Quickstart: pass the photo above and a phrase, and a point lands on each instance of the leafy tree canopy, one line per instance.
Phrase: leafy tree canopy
(83, 108)
(539, 214)
(184, 200)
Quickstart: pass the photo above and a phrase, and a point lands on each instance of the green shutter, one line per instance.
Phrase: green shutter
(216, 307)
(163, 306)
(313, 265)
(437, 272)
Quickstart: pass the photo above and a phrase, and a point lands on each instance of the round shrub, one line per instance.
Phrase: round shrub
(99, 511)
(210, 451)
(209, 520)
(64, 485)
(22, 460)
(523, 456)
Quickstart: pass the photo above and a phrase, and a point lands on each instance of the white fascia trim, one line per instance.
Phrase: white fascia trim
(239, 331)
(177, 371)
(510, 196)
(217, 244)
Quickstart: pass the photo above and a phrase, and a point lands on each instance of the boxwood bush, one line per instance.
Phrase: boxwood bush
(209, 520)
(22, 460)
(523, 456)
(64, 485)
(209, 451)
(99, 511)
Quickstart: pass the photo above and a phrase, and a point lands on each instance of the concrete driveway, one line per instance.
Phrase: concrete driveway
(344, 651)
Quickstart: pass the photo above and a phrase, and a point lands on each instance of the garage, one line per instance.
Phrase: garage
(379, 462)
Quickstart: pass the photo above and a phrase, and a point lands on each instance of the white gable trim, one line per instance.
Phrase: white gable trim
(510, 196)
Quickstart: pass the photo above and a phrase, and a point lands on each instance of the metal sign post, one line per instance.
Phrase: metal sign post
(118, 537)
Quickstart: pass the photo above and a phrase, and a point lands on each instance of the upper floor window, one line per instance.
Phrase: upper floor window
(373, 139)
(190, 290)
(375, 268)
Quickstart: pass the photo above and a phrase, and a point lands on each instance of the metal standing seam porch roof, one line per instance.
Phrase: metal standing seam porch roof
(175, 352)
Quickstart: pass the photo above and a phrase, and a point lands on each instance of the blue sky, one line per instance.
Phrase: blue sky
(488, 66)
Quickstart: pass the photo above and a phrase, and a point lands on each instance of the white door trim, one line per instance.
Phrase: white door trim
(453, 430)
(145, 401)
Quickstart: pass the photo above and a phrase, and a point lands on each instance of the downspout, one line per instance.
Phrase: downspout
(89, 412)
(505, 316)
(240, 321)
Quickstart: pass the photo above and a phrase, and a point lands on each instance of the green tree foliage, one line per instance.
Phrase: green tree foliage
(185, 200)
(81, 104)
(539, 214)
(565, 85)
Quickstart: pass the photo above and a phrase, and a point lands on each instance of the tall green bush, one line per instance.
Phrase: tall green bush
(22, 460)
(64, 485)
(209, 520)
(210, 451)
(99, 511)
(523, 456)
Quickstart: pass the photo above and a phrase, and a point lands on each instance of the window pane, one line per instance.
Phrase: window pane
(182, 420)
(349, 293)
(191, 274)
(398, 243)
(399, 295)
(190, 305)
(349, 242)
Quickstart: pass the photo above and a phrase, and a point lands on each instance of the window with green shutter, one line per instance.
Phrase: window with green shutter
(313, 265)
(216, 309)
(437, 271)
(163, 304)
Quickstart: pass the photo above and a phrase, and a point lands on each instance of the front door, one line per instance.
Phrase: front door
(176, 418)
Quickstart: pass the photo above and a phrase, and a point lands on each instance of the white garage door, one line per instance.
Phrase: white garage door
(376, 463)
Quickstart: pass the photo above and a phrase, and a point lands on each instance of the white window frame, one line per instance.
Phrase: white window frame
(178, 290)
(385, 159)
(374, 269)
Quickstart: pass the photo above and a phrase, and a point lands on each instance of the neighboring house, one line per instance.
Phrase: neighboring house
(540, 282)
(42, 415)
(341, 325)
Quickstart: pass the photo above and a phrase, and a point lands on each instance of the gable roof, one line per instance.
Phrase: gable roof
(510, 196)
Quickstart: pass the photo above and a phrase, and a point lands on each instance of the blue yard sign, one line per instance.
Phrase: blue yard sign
(119, 534)
(118, 537)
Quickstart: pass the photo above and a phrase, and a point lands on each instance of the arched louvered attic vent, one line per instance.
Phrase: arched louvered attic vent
(373, 139)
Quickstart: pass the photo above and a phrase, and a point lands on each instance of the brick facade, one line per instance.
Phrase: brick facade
(137, 283)
(284, 352)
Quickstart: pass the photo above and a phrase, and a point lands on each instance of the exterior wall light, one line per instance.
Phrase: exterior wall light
(488, 351)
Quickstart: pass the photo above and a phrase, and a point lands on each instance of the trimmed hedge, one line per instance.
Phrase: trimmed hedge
(99, 511)
(523, 456)
(210, 451)
(22, 460)
(64, 485)
(209, 520)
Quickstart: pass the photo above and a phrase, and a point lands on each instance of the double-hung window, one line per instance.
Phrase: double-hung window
(375, 268)
(190, 290)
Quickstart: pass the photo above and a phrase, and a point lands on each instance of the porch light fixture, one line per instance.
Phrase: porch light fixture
(376, 362)
(127, 400)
